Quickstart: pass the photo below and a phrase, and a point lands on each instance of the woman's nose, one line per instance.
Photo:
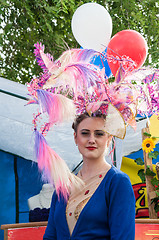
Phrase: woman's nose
(91, 139)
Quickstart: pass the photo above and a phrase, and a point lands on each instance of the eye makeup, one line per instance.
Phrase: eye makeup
(97, 133)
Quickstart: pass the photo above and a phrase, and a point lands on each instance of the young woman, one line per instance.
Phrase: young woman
(104, 208)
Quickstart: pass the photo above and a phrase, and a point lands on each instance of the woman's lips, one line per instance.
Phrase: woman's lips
(91, 148)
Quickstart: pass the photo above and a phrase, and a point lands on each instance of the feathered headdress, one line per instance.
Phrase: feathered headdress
(72, 85)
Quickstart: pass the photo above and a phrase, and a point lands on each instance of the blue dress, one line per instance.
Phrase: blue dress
(109, 214)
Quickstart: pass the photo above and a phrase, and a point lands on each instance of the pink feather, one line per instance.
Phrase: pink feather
(53, 167)
(58, 107)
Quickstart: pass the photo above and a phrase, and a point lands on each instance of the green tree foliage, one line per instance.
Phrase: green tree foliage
(24, 22)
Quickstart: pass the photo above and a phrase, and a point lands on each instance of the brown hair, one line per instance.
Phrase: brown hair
(83, 116)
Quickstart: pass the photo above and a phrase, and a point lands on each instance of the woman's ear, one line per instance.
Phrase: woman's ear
(109, 140)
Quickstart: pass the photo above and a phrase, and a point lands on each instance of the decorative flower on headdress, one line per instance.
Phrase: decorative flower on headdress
(71, 85)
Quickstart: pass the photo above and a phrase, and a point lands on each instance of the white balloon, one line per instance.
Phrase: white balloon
(92, 26)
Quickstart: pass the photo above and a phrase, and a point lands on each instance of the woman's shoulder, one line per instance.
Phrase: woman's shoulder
(117, 175)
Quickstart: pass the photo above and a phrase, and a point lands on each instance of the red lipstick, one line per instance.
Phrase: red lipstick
(91, 148)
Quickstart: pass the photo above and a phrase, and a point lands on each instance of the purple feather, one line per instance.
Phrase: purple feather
(44, 99)
(39, 59)
(86, 55)
(38, 146)
(89, 78)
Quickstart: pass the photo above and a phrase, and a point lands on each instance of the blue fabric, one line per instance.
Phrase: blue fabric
(30, 184)
(7, 187)
(108, 215)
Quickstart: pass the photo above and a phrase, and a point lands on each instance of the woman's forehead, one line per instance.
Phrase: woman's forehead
(95, 123)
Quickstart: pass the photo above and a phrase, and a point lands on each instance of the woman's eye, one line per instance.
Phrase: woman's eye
(99, 134)
(84, 133)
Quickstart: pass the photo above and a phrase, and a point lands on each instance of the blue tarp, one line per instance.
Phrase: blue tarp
(139, 154)
(29, 184)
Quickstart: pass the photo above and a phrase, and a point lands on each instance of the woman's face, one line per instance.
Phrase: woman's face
(91, 139)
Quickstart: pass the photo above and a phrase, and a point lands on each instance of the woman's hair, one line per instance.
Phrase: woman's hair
(85, 115)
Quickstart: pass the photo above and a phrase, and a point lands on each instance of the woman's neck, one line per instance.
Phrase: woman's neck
(92, 168)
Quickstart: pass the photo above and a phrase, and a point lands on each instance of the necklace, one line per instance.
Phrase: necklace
(92, 176)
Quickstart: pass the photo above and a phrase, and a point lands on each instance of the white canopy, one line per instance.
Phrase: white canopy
(16, 128)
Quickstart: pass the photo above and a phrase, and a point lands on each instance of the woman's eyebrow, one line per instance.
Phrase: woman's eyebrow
(99, 130)
(85, 130)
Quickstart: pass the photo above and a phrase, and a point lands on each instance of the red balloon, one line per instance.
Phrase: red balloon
(126, 44)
